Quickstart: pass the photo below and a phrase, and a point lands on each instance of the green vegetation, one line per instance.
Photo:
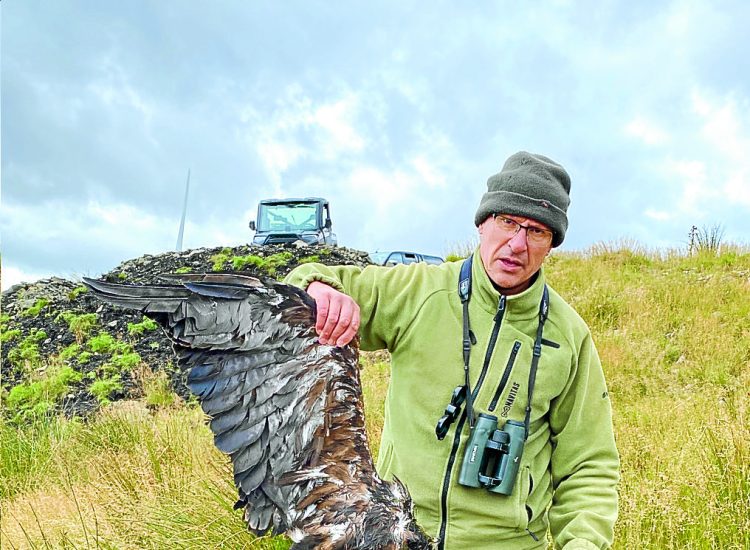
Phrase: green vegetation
(310, 259)
(106, 343)
(76, 292)
(184, 269)
(136, 329)
(674, 339)
(123, 358)
(37, 398)
(128, 479)
(10, 335)
(157, 390)
(241, 262)
(220, 259)
(673, 334)
(122, 362)
(69, 352)
(80, 325)
(268, 264)
(34, 310)
(26, 354)
(122, 276)
(103, 388)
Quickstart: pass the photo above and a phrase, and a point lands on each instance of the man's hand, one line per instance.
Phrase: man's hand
(338, 314)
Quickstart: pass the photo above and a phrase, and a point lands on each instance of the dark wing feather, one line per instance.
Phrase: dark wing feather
(286, 409)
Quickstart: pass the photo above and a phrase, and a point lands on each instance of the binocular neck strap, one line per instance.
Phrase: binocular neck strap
(543, 310)
(464, 292)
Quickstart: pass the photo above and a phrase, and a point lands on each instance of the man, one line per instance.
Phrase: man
(521, 339)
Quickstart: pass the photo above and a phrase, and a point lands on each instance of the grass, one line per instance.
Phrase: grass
(673, 334)
(26, 355)
(76, 292)
(137, 329)
(37, 397)
(80, 324)
(34, 310)
(103, 388)
(269, 264)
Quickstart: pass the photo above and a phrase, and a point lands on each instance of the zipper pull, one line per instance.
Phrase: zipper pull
(500, 309)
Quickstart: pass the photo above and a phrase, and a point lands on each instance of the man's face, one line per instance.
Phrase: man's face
(508, 259)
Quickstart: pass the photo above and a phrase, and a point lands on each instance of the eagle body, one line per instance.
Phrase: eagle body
(286, 409)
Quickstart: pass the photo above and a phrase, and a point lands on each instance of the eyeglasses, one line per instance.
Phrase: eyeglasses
(535, 236)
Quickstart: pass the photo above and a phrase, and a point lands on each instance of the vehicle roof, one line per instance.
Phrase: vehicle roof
(388, 252)
(284, 201)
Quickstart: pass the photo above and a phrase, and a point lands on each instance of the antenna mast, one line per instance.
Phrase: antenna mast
(184, 212)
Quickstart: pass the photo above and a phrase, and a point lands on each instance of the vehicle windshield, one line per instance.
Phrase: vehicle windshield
(378, 257)
(288, 217)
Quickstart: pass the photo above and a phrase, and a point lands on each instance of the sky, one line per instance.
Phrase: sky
(397, 112)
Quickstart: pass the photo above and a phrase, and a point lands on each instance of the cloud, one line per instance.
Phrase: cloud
(11, 275)
(658, 215)
(647, 131)
(645, 104)
(300, 128)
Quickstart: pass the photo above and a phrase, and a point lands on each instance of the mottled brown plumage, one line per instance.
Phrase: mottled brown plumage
(286, 409)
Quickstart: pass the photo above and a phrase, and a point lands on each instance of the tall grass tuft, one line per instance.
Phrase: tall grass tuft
(706, 240)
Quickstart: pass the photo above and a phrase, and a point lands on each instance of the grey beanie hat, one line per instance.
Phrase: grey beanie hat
(531, 186)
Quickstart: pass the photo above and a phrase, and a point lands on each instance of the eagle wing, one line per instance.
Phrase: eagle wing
(287, 409)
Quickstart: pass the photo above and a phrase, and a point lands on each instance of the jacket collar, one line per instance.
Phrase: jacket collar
(518, 306)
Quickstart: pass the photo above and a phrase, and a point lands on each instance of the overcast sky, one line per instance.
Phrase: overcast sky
(397, 112)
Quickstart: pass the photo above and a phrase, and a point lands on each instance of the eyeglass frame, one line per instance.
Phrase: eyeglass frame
(531, 242)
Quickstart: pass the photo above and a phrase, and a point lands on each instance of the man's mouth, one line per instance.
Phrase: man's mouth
(510, 263)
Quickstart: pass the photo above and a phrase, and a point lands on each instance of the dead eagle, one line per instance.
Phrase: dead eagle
(287, 409)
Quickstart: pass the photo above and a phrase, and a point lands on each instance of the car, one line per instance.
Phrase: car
(289, 220)
(402, 257)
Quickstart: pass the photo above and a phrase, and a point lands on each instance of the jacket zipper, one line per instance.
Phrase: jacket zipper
(506, 375)
(459, 427)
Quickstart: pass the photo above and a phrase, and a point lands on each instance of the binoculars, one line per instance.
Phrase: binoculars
(492, 456)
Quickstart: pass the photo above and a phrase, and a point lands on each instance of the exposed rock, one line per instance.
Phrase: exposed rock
(40, 319)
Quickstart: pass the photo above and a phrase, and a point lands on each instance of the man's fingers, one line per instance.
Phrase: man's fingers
(331, 321)
(322, 305)
(348, 335)
(348, 318)
(337, 320)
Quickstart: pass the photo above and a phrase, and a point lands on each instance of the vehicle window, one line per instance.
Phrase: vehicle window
(432, 259)
(288, 217)
(410, 258)
(395, 258)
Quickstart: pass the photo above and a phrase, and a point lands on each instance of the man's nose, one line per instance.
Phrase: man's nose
(518, 241)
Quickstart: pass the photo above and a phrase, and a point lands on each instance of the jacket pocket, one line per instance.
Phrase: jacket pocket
(524, 490)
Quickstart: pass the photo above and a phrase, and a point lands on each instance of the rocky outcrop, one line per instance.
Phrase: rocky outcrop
(63, 350)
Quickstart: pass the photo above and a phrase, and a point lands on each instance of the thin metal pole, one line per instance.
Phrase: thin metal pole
(184, 213)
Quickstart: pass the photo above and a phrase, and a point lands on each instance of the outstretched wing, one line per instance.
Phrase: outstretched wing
(286, 409)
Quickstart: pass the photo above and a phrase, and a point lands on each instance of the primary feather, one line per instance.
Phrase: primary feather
(287, 409)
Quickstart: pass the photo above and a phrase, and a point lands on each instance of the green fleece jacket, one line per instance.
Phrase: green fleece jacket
(569, 468)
